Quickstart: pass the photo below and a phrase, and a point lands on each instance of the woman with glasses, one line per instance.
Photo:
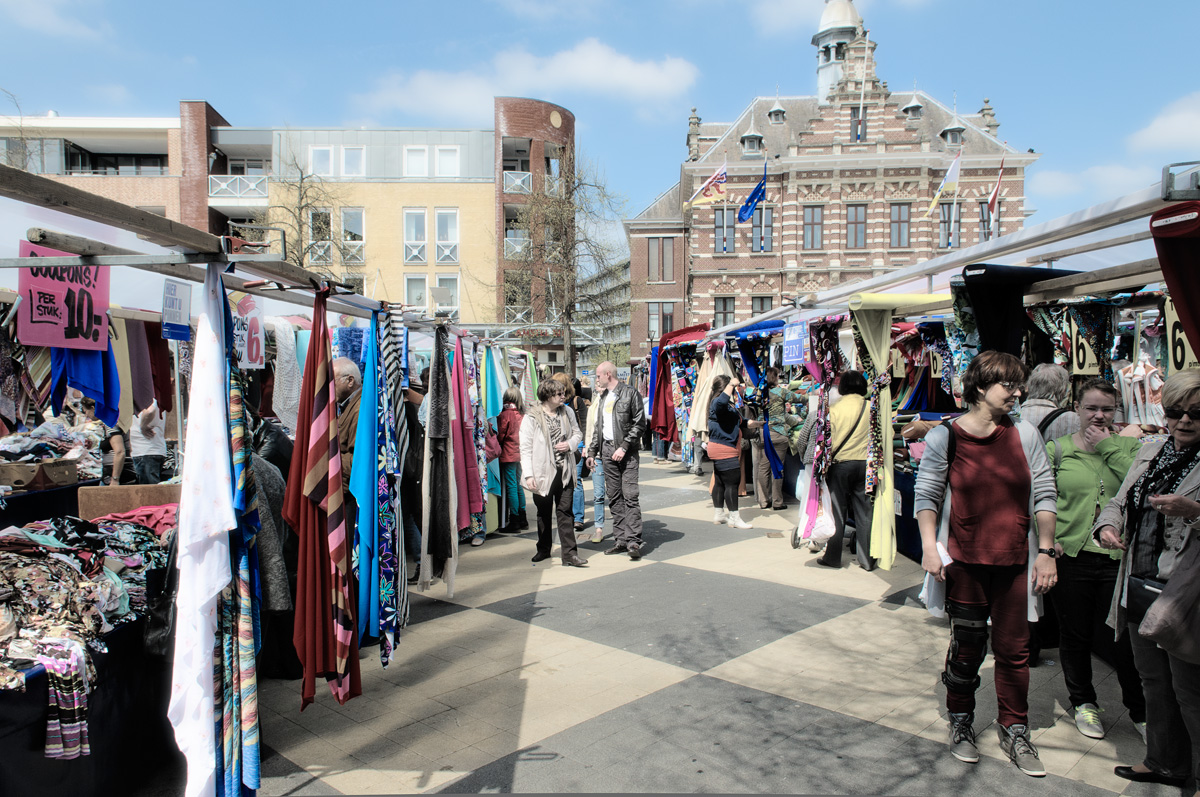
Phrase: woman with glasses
(549, 437)
(1089, 467)
(982, 482)
(1153, 519)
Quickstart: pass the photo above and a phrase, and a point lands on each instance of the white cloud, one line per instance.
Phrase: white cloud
(1175, 129)
(590, 67)
(56, 18)
(1100, 182)
(111, 93)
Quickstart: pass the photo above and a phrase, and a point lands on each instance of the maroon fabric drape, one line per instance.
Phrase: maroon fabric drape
(662, 421)
(160, 366)
(315, 632)
(140, 377)
(1176, 231)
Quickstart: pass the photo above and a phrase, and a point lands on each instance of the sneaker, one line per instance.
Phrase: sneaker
(1141, 729)
(962, 738)
(1014, 741)
(597, 535)
(1087, 720)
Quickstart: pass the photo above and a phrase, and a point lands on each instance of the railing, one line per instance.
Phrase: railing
(237, 185)
(447, 253)
(518, 183)
(414, 253)
(321, 252)
(554, 185)
(124, 171)
(515, 248)
(354, 252)
(515, 314)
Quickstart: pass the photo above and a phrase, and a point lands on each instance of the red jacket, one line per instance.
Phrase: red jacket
(509, 432)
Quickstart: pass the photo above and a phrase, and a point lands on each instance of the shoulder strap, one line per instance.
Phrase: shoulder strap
(951, 446)
(1049, 419)
(850, 434)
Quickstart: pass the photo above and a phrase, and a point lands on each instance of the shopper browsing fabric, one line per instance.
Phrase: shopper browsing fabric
(148, 444)
(768, 489)
(724, 444)
(1153, 519)
(1045, 403)
(508, 430)
(549, 435)
(981, 482)
(112, 444)
(846, 479)
(1089, 466)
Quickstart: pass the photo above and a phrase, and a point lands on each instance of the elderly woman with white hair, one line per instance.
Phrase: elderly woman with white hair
(1046, 404)
(1154, 519)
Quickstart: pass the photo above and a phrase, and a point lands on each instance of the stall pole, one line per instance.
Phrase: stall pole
(178, 411)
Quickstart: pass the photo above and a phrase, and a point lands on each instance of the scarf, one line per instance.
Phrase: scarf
(1164, 475)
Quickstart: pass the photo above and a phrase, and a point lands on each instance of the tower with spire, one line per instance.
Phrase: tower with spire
(840, 24)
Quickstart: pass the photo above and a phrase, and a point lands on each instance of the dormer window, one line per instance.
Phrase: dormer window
(915, 112)
(751, 145)
(776, 115)
(954, 137)
(952, 134)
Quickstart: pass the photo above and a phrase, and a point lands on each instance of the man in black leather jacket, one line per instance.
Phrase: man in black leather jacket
(616, 442)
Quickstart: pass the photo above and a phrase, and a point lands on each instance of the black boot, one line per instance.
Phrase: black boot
(523, 520)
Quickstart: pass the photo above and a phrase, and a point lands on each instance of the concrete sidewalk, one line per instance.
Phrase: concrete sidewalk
(722, 661)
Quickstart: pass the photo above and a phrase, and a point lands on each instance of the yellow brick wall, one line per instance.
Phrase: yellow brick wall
(384, 204)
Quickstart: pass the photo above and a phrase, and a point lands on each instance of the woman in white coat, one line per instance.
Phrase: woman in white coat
(549, 437)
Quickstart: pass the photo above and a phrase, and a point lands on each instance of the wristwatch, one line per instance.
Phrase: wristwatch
(1049, 552)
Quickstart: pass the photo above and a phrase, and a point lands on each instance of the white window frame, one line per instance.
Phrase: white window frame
(317, 253)
(311, 169)
(412, 278)
(348, 173)
(446, 252)
(419, 251)
(353, 251)
(437, 160)
(441, 279)
(409, 172)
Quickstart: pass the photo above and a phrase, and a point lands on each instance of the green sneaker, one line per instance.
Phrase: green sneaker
(1087, 720)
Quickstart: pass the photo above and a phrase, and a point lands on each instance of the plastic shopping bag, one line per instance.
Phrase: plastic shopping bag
(816, 514)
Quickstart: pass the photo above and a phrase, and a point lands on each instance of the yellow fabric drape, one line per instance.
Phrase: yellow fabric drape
(872, 315)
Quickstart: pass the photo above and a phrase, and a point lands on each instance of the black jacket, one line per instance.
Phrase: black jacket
(629, 420)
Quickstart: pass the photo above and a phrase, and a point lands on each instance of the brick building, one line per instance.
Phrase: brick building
(850, 173)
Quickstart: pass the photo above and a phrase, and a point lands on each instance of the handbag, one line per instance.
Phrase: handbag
(159, 635)
(1140, 596)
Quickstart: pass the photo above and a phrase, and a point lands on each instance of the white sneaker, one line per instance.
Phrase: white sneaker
(720, 516)
(597, 535)
(1087, 720)
(734, 521)
(1141, 729)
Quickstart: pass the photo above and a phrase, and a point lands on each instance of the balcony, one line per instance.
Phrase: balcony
(516, 248)
(447, 253)
(414, 253)
(554, 185)
(320, 253)
(518, 182)
(237, 185)
(354, 253)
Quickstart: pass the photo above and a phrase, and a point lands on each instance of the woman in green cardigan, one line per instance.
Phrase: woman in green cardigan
(1089, 467)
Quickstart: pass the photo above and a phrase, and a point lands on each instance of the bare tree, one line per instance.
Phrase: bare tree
(564, 240)
(18, 151)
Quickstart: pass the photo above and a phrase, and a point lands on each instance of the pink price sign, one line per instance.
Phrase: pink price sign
(64, 307)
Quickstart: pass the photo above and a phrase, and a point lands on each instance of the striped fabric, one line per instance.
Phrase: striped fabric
(323, 487)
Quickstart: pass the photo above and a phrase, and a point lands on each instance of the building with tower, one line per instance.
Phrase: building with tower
(850, 175)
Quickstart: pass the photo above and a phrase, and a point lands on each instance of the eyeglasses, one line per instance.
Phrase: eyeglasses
(1099, 410)
(1012, 387)
(1175, 413)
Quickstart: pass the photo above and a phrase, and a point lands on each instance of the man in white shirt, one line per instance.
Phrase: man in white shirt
(148, 444)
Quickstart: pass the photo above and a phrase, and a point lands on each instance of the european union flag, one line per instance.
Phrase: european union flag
(756, 196)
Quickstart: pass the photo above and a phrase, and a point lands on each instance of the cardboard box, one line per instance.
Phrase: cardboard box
(44, 475)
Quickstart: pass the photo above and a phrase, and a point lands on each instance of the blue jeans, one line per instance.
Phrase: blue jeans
(660, 447)
(577, 500)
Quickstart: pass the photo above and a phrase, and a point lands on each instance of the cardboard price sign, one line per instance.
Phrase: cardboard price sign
(249, 339)
(65, 307)
(1178, 349)
(1083, 359)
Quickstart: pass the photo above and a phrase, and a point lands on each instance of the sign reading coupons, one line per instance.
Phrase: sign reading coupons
(65, 307)
(795, 344)
(248, 338)
(177, 310)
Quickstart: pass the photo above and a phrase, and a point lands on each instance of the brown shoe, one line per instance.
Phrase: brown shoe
(574, 561)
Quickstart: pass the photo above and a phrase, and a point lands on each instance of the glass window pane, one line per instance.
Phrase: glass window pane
(414, 225)
(353, 162)
(668, 259)
(450, 283)
(352, 224)
(414, 292)
(320, 225)
(447, 161)
(652, 263)
(447, 226)
(321, 160)
(416, 162)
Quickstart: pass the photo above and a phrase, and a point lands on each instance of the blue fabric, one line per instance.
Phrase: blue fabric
(750, 363)
(364, 486)
(303, 336)
(757, 329)
(653, 380)
(756, 196)
(93, 373)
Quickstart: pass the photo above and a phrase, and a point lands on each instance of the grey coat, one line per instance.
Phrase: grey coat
(933, 492)
(1179, 538)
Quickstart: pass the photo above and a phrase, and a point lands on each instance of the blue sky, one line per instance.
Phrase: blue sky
(1103, 89)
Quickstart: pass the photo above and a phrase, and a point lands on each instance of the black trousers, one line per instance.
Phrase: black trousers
(725, 487)
(847, 485)
(555, 509)
(1081, 600)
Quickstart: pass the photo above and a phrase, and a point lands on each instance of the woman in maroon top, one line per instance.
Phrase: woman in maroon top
(508, 430)
(998, 477)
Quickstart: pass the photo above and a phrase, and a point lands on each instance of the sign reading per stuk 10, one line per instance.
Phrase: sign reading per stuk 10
(795, 344)
(64, 307)
(248, 338)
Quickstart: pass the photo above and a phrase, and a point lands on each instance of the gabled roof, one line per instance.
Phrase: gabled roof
(664, 206)
(800, 112)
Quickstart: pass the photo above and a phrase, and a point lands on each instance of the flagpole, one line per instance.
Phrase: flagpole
(955, 221)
